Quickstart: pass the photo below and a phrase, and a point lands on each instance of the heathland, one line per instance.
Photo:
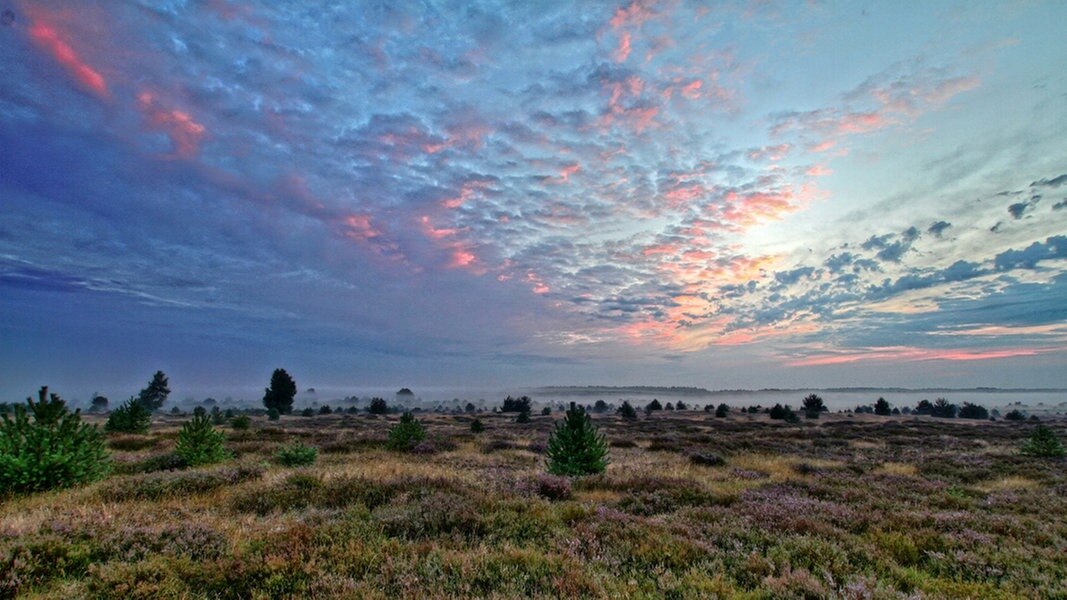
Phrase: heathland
(690, 506)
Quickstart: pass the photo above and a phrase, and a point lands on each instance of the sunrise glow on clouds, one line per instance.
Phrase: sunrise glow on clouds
(727, 195)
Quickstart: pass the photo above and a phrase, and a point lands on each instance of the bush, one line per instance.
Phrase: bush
(576, 448)
(296, 455)
(944, 409)
(783, 413)
(552, 487)
(523, 417)
(546, 411)
(973, 411)
(721, 411)
(477, 426)
(406, 434)
(308, 412)
(1015, 415)
(46, 447)
(653, 406)
(1043, 443)
(273, 414)
(325, 410)
(627, 411)
(131, 417)
(199, 444)
(241, 422)
(706, 459)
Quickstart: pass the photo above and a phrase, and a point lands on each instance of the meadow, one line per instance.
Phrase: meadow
(691, 506)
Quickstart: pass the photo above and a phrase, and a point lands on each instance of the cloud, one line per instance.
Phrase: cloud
(1029, 257)
(938, 227)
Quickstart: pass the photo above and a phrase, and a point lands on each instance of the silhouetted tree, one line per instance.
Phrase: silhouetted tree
(721, 411)
(470, 407)
(813, 406)
(1015, 415)
(973, 411)
(378, 406)
(98, 404)
(924, 407)
(627, 411)
(654, 405)
(944, 409)
(153, 396)
(680, 405)
(516, 404)
(600, 406)
(281, 392)
(881, 407)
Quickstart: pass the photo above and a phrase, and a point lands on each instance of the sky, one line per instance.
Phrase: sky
(716, 194)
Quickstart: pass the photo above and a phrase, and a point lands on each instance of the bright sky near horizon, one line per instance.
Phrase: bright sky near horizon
(728, 194)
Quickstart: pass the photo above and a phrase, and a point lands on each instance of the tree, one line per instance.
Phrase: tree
(721, 411)
(973, 411)
(281, 392)
(924, 407)
(681, 405)
(600, 406)
(131, 417)
(627, 411)
(1043, 443)
(46, 446)
(576, 447)
(199, 444)
(524, 417)
(1015, 415)
(378, 406)
(98, 404)
(406, 434)
(516, 404)
(477, 426)
(652, 406)
(470, 408)
(881, 407)
(944, 409)
(153, 396)
(813, 406)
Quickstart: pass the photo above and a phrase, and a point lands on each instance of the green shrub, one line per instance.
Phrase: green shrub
(575, 447)
(46, 446)
(273, 414)
(813, 406)
(199, 443)
(406, 434)
(131, 417)
(241, 422)
(296, 455)
(1043, 442)
(477, 426)
(523, 417)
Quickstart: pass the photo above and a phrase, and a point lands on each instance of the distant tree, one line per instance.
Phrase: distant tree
(273, 414)
(813, 406)
(709, 407)
(973, 411)
(98, 404)
(131, 417)
(668, 406)
(281, 392)
(546, 411)
(1015, 415)
(523, 417)
(325, 409)
(778, 412)
(209, 402)
(600, 406)
(477, 426)
(924, 407)
(307, 412)
(576, 447)
(378, 406)
(1043, 443)
(518, 405)
(174, 410)
(881, 407)
(199, 411)
(944, 409)
(721, 411)
(896, 411)
(470, 408)
(153, 396)
(627, 411)
(653, 406)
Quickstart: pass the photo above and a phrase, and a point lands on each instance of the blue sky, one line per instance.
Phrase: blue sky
(750, 194)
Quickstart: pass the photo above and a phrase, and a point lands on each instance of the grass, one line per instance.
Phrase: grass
(845, 507)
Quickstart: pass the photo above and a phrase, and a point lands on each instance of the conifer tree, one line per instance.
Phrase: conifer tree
(576, 447)
(281, 392)
(153, 396)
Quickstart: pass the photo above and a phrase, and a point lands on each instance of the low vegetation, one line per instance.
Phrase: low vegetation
(691, 505)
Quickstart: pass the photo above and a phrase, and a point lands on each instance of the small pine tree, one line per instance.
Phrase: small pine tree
(153, 396)
(241, 422)
(406, 434)
(296, 455)
(378, 406)
(627, 411)
(881, 407)
(523, 417)
(477, 426)
(721, 411)
(576, 447)
(131, 417)
(813, 406)
(199, 443)
(1043, 443)
(281, 392)
(46, 447)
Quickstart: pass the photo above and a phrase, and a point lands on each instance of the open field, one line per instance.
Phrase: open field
(843, 506)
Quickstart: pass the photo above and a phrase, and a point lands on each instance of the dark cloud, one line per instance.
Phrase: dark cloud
(938, 227)
(1018, 209)
(1027, 258)
(1051, 182)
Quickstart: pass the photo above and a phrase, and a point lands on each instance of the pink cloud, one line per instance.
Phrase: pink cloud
(819, 171)
(909, 354)
(634, 14)
(772, 153)
(185, 134)
(622, 52)
(48, 38)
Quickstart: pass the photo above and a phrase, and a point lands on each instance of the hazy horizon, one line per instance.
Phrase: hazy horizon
(486, 194)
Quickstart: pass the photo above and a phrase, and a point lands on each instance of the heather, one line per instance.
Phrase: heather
(690, 505)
